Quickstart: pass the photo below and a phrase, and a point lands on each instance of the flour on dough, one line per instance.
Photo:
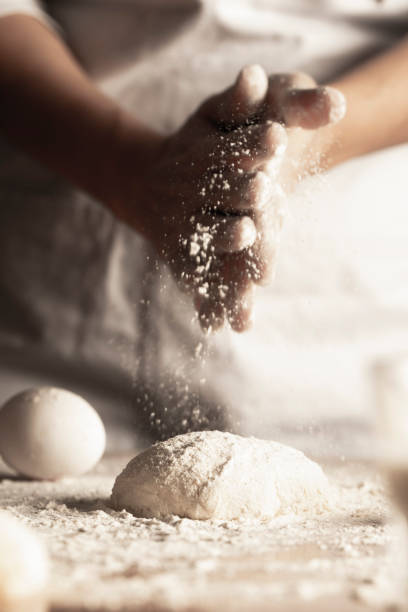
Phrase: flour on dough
(217, 475)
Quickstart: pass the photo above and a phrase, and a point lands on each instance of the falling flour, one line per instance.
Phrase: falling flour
(221, 206)
(218, 475)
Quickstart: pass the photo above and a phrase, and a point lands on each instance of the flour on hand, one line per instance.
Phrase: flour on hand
(216, 475)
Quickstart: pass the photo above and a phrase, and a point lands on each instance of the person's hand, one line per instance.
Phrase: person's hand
(295, 103)
(212, 194)
(199, 190)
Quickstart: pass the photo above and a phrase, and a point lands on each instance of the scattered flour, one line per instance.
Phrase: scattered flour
(221, 204)
(108, 561)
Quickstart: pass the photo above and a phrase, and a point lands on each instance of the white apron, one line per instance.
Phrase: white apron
(82, 304)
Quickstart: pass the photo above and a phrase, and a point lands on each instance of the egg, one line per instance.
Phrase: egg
(24, 568)
(49, 433)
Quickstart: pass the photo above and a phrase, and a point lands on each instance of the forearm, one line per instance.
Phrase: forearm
(51, 110)
(377, 109)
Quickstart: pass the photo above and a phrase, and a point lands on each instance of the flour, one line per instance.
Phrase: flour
(182, 564)
(229, 204)
(218, 475)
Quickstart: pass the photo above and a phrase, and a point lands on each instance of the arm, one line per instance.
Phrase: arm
(377, 115)
(198, 195)
(159, 186)
(51, 110)
(376, 118)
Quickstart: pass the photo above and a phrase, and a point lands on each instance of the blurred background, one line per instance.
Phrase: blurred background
(116, 331)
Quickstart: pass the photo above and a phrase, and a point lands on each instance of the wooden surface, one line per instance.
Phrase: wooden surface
(103, 561)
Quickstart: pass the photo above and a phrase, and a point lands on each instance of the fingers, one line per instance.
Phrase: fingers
(276, 142)
(229, 298)
(251, 194)
(296, 101)
(240, 307)
(241, 185)
(241, 101)
(269, 144)
(244, 148)
(211, 237)
(239, 294)
(216, 233)
(257, 193)
(242, 253)
(236, 157)
(233, 193)
(313, 108)
(233, 234)
(292, 80)
(211, 314)
(291, 99)
(262, 255)
(278, 87)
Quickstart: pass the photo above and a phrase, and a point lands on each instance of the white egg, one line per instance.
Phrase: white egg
(49, 433)
(23, 568)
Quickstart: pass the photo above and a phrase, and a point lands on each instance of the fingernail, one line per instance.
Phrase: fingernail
(338, 104)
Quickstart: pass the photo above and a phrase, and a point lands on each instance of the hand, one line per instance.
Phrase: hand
(210, 196)
(296, 103)
(302, 107)
(198, 191)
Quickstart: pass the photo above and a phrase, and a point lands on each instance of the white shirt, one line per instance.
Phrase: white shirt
(81, 304)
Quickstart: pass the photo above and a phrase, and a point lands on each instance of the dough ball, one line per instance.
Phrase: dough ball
(23, 568)
(216, 475)
(49, 433)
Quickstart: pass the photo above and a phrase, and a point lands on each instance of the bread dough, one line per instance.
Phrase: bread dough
(217, 475)
(23, 568)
